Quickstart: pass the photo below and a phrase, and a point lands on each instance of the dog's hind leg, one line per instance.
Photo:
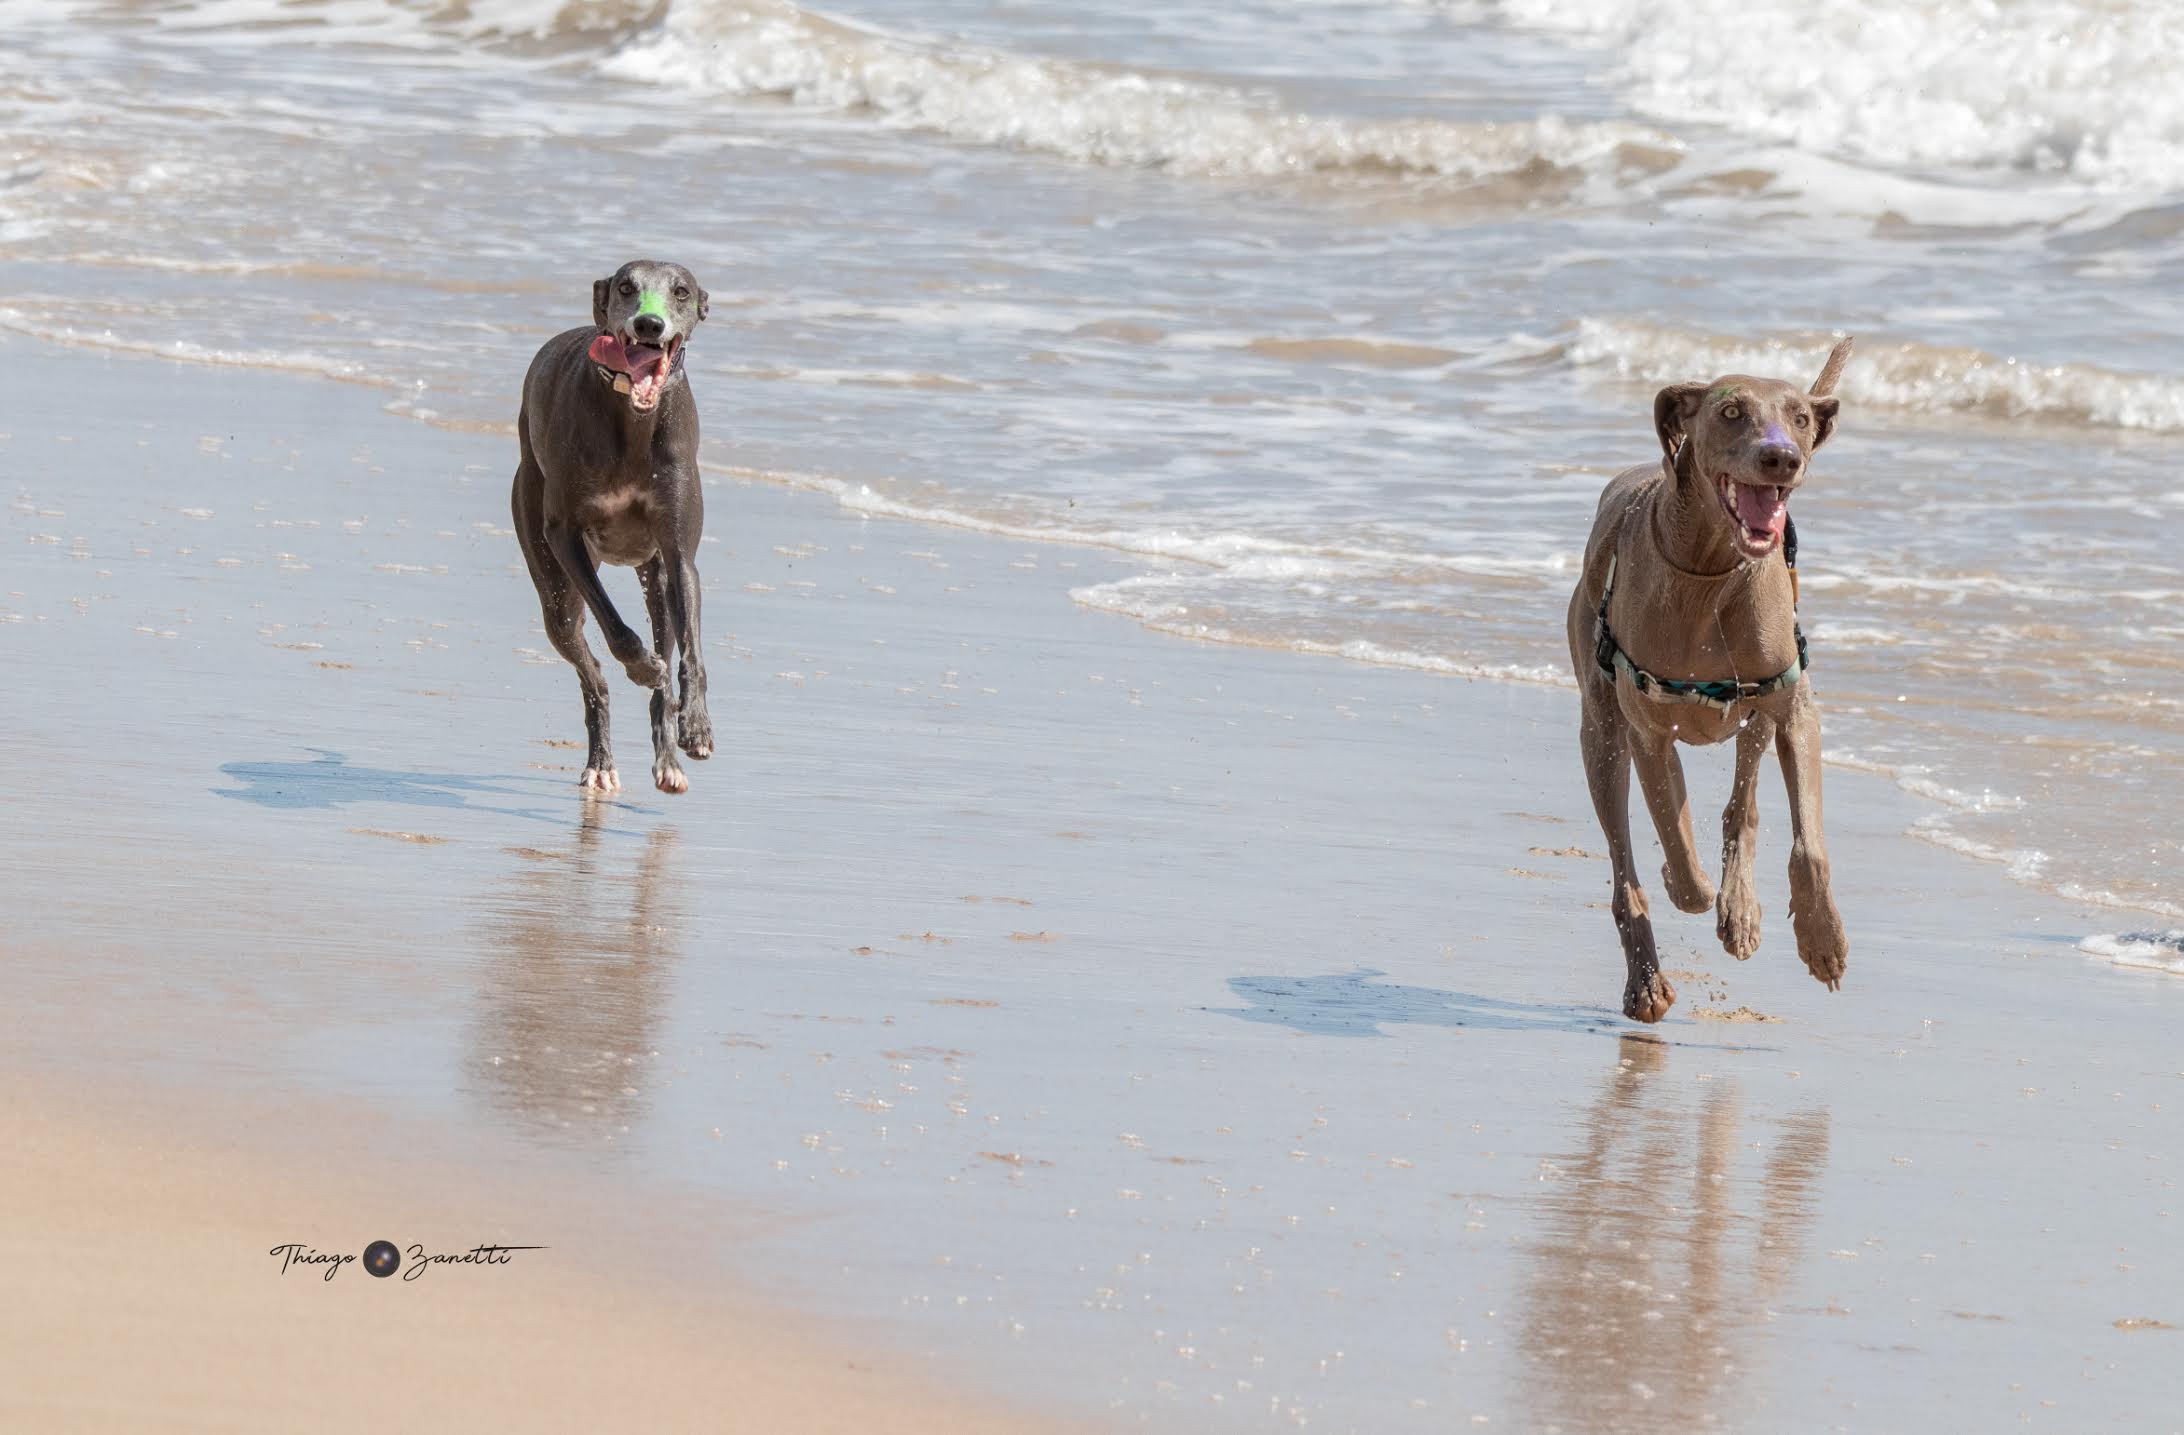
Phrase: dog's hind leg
(694, 723)
(1736, 914)
(1661, 779)
(1821, 943)
(564, 614)
(667, 773)
(1647, 995)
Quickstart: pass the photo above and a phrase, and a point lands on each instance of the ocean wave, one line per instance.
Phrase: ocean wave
(2102, 897)
(2090, 92)
(547, 19)
(1224, 565)
(1090, 113)
(292, 361)
(1843, 635)
(1237, 556)
(2024, 863)
(1913, 778)
(2155, 951)
(1904, 375)
(2029, 865)
(1160, 612)
(413, 23)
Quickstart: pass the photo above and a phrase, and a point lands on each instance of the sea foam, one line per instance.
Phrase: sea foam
(2088, 89)
(1090, 113)
(2155, 951)
(1904, 374)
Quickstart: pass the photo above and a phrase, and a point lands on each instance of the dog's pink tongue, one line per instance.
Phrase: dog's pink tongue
(606, 351)
(1760, 510)
(639, 361)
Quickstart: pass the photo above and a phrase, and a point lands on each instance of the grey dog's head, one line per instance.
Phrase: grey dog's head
(1748, 441)
(646, 311)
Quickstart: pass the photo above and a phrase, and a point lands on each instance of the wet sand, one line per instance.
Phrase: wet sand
(1147, 1033)
(149, 1290)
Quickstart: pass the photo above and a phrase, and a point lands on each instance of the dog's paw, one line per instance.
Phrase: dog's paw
(647, 671)
(1647, 998)
(599, 779)
(1691, 892)
(1736, 920)
(695, 734)
(669, 778)
(1822, 946)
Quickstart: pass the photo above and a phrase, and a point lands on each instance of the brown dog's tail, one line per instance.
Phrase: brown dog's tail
(1832, 370)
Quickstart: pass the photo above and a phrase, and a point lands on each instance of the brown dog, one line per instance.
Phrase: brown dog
(1683, 628)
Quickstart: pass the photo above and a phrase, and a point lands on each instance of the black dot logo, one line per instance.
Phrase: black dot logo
(382, 1258)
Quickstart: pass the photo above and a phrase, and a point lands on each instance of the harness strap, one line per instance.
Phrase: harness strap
(1720, 694)
(1789, 558)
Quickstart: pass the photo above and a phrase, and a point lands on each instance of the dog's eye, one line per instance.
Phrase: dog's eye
(1803, 420)
(628, 288)
(681, 293)
(1732, 411)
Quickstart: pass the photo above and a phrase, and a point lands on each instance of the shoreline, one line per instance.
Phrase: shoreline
(2023, 866)
(1104, 1025)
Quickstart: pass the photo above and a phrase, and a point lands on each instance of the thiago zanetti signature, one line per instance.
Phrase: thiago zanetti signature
(384, 1258)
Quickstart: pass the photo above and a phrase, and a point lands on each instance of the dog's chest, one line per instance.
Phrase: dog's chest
(1693, 632)
(1684, 632)
(618, 524)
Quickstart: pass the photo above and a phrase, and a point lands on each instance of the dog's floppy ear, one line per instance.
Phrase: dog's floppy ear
(1673, 408)
(1823, 419)
(705, 304)
(599, 300)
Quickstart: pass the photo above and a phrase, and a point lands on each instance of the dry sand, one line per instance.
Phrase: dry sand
(1148, 1034)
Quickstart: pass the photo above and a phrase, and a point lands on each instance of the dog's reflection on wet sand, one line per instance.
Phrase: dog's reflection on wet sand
(577, 949)
(1658, 1257)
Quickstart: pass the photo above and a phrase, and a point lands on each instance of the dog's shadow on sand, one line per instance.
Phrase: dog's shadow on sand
(1356, 1004)
(330, 780)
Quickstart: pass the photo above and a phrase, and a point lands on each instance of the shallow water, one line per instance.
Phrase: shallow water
(1333, 316)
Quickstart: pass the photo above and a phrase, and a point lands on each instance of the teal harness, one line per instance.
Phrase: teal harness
(1719, 693)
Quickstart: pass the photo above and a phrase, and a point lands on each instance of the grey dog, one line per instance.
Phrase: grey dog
(609, 474)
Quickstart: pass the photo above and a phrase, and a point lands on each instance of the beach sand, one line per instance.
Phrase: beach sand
(1034, 1011)
(146, 1293)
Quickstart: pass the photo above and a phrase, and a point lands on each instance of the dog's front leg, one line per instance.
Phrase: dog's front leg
(1736, 911)
(1605, 739)
(567, 543)
(1820, 940)
(683, 600)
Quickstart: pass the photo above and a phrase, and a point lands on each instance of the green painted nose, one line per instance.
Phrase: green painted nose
(651, 303)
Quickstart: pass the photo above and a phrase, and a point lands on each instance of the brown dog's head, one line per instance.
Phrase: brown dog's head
(1747, 441)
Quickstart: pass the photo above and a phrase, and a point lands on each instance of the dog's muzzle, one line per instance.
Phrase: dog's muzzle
(639, 370)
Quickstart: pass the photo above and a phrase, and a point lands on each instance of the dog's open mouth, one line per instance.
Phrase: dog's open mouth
(643, 368)
(1760, 512)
